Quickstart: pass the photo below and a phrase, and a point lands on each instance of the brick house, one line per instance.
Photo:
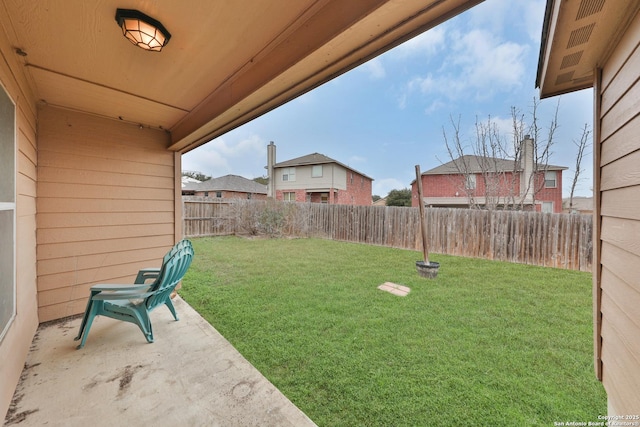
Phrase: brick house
(226, 187)
(492, 182)
(316, 178)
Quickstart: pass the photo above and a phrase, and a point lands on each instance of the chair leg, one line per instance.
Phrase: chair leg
(84, 319)
(169, 304)
(150, 336)
(144, 323)
(90, 316)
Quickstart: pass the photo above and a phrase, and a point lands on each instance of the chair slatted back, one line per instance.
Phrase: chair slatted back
(174, 267)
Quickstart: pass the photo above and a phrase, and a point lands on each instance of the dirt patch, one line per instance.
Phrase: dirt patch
(13, 416)
(16, 418)
(125, 377)
(61, 323)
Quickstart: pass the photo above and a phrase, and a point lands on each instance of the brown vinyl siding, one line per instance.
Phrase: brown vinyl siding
(618, 183)
(106, 198)
(17, 341)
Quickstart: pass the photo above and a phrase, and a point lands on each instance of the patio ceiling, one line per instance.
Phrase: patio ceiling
(226, 63)
(576, 36)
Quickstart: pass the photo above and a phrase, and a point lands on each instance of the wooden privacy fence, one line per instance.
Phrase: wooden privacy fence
(552, 240)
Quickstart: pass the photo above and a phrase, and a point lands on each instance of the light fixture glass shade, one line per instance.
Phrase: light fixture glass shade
(142, 30)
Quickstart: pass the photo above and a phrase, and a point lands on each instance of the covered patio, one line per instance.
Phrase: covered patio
(190, 376)
(92, 129)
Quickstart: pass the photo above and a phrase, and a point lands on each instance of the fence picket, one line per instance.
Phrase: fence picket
(555, 240)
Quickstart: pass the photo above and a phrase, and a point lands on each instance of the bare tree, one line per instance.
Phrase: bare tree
(456, 151)
(581, 145)
(502, 162)
(485, 161)
(541, 146)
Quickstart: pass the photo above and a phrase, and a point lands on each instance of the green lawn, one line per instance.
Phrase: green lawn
(486, 343)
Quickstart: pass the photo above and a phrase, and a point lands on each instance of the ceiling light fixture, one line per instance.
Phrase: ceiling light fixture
(142, 30)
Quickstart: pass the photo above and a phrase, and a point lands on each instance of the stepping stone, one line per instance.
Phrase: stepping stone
(394, 288)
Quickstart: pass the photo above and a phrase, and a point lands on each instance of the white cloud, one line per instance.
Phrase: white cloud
(485, 63)
(435, 106)
(221, 156)
(375, 69)
(382, 187)
(533, 17)
(510, 17)
(476, 66)
(357, 159)
(504, 126)
(493, 14)
(429, 43)
(402, 100)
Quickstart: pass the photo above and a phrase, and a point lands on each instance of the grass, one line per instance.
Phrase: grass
(486, 343)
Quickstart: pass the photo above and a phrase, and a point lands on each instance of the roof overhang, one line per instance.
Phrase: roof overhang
(576, 40)
(227, 63)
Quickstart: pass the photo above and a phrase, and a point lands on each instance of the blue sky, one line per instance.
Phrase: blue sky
(389, 114)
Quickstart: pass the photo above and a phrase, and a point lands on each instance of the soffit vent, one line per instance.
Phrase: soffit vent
(589, 7)
(564, 78)
(580, 36)
(571, 60)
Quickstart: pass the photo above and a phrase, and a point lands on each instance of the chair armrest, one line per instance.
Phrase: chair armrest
(119, 292)
(109, 287)
(146, 274)
(110, 296)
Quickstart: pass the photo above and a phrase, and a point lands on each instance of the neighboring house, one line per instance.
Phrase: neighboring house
(595, 44)
(227, 187)
(492, 183)
(380, 202)
(188, 180)
(580, 205)
(92, 129)
(317, 178)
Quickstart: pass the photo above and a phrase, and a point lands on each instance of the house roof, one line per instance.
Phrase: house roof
(315, 159)
(478, 164)
(227, 62)
(228, 183)
(576, 36)
(579, 203)
(188, 180)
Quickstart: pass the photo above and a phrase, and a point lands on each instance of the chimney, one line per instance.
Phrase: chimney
(528, 164)
(271, 160)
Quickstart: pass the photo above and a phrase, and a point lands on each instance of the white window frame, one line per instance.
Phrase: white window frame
(470, 182)
(547, 207)
(289, 174)
(8, 215)
(548, 180)
(316, 171)
(289, 196)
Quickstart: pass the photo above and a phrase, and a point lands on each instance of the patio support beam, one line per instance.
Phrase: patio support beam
(177, 166)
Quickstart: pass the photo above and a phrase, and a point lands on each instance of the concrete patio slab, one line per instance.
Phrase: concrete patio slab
(190, 376)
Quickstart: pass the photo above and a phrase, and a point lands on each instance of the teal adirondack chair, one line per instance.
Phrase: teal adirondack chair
(152, 273)
(133, 303)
